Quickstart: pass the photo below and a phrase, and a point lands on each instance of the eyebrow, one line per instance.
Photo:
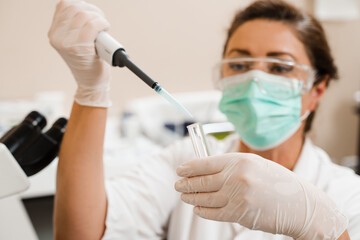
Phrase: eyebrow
(277, 54)
(242, 51)
(270, 54)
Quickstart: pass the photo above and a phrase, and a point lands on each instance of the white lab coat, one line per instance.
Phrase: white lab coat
(142, 202)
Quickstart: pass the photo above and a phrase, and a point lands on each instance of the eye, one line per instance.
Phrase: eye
(239, 67)
(281, 69)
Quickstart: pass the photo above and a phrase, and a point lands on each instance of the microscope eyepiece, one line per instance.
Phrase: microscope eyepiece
(36, 119)
(33, 149)
(57, 130)
(18, 137)
(60, 124)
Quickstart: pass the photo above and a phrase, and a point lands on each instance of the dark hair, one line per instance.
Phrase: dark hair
(307, 29)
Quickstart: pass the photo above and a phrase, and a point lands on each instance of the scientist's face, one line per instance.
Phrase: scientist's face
(266, 38)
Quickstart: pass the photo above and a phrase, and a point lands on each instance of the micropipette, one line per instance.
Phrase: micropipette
(113, 52)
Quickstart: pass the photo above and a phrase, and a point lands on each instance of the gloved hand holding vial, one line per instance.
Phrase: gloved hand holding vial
(266, 181)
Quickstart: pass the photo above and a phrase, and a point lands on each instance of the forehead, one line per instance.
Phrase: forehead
(262, 38)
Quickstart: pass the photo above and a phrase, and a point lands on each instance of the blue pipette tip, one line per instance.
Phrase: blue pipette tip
(172, 100)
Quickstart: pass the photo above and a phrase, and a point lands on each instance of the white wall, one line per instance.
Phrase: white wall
(176, 42)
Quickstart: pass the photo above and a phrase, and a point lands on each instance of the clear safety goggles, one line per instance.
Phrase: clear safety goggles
(297, 78)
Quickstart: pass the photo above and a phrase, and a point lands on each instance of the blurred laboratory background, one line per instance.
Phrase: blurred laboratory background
(177, 43)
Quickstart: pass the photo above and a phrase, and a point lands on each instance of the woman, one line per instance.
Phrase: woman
(276, 67)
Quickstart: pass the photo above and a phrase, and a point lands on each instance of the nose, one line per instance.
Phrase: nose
(260, 65)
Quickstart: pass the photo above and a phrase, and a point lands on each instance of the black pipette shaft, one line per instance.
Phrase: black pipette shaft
(121, 59)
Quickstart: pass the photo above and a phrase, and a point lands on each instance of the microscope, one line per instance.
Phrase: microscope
(25, 150)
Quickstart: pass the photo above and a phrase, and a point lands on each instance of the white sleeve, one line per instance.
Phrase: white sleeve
(140, 200)
(351, 204)
(354, 218)
(344, 188)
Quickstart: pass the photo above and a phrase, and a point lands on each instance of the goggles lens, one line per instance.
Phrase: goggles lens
(295, 77)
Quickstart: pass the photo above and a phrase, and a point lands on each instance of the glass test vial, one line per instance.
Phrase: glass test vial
(198, 139)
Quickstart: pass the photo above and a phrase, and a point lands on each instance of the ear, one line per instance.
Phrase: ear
(317, 92)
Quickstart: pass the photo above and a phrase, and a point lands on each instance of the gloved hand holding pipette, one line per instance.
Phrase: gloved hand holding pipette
(93, 74)
(74, 40)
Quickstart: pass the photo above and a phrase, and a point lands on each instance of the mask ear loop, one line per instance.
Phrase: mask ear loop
(305, 115)
(309, 83)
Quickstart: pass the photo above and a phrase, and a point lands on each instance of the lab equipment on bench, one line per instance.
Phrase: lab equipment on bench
(113, 52)
(163, 124)
(25, 150)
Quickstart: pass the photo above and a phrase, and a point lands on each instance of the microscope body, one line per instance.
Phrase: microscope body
(13, 179)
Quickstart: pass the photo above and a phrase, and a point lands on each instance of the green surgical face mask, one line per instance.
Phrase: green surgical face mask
(262, 121)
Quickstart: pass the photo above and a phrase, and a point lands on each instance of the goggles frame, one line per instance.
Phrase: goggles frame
(308, 82)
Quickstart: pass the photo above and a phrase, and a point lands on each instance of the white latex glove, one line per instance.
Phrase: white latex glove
(258, 194)
(72, 33)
